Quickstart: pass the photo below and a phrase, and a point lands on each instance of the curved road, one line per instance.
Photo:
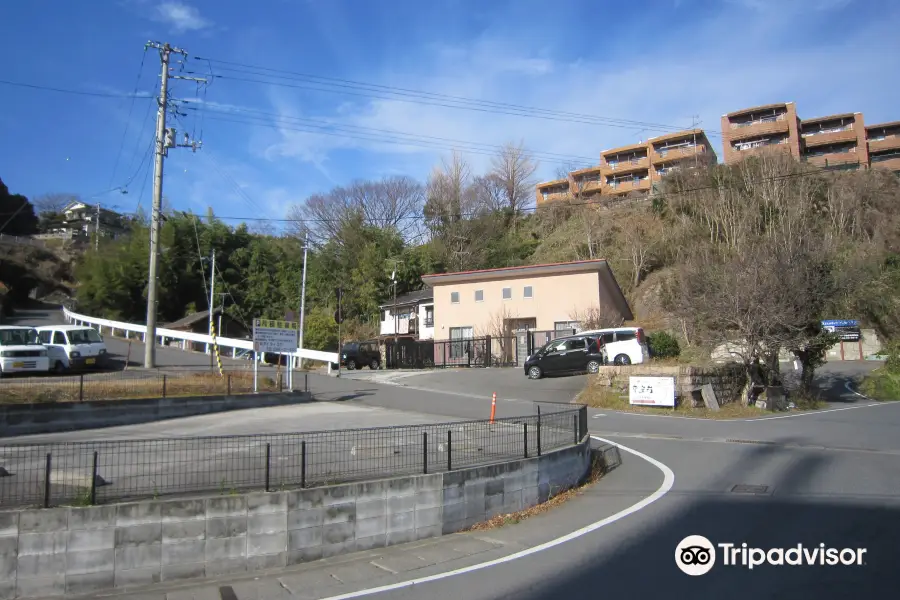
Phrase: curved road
(831, 477)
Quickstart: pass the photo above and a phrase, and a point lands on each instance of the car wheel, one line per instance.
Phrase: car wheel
(534, 373)
(59, 368)
(374, 365)
(593, 366)
(622, 359)
(351, 364)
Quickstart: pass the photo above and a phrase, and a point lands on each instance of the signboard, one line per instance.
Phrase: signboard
(846, 329)
(275, 336)
(652, 391)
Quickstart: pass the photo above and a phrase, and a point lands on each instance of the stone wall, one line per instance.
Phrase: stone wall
(727, 380)
(87, 550)
(52, 417)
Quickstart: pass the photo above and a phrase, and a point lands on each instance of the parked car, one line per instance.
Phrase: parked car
(622, 345)
(360, 354)
(73, 347)
(21, 351)
(573, 354)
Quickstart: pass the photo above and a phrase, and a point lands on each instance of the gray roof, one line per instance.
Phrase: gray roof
(192, 318)
(411, 298)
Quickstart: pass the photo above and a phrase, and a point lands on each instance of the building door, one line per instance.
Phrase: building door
(524, 341)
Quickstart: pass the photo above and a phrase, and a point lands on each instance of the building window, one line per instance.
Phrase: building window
(460, 341)
(529, 292)
(479, 295)
(566, 327)
(384, 315)
(429, 316)
(454, 297)
(507, 293)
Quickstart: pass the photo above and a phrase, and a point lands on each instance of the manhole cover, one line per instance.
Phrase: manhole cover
(744, 488)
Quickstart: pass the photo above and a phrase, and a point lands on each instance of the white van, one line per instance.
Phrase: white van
(21, 351)
(73, 347)
(622, 345)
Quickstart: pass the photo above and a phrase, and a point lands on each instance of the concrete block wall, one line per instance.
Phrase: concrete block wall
(28, 419)
(51, 552)
(727, 380)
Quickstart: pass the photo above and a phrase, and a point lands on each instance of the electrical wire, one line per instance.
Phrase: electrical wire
(68, 91)
(137, 83)
(430, 98)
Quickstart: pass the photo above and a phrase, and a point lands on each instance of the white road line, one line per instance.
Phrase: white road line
(852, 391)
(668, 482)
(811, 413)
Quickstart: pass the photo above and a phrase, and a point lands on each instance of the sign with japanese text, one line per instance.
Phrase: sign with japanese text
(271, 335)
(652, 391)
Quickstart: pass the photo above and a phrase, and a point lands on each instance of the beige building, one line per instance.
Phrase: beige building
(498, 302)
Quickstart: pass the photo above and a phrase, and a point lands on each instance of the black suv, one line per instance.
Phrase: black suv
(356, 355)
(572, 354)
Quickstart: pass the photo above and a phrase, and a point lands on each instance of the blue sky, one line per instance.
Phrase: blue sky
(659, 62)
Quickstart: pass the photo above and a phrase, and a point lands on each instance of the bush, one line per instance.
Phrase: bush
(663, 344)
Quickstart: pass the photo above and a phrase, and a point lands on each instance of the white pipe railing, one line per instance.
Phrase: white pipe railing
(164, 334)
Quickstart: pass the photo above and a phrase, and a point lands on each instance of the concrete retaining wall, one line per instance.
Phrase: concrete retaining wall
(85, 550)
(727, 380)
(27, 419)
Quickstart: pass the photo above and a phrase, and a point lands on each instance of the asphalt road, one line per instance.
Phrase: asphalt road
(830, 477)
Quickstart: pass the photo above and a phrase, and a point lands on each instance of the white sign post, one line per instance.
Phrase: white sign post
(279, 337)
(652, 391)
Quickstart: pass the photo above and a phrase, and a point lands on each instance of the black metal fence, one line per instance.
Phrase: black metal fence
(487, 351)
(87, 473)
(157, 383)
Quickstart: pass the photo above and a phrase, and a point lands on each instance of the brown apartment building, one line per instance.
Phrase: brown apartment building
(631, 169)
(841, 141)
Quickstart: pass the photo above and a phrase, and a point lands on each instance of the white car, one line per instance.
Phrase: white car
(622, 345)
(73, 347)
(21, 351)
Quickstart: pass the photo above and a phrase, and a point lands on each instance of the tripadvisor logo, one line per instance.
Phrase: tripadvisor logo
(696, 555)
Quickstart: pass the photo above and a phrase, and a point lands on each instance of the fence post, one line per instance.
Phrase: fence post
(279, 383)
(525, 436)
(94, 480)
(268, 462)
(449, 451)
(164, 386)
(306, 382)
(539, 430)
(229, 384)
(583, 422)
(575, 427)
(47, 482)
(303, 464)
(488, 352)
(81, 387)
(425, 452)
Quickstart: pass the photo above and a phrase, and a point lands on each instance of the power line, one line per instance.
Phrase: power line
(402, 136)
(431, 98)
(76, 92)
(137, 144)
(137, 83)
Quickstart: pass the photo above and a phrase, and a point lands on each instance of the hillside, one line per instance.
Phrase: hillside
(37, 271)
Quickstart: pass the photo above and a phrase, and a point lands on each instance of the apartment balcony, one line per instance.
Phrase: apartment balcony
(812, 140)
(888, 143)
(672, 154)
(629, 185)
(553, 197)
(627, 166)
(890, 163)
(833, 160)
(742, 131)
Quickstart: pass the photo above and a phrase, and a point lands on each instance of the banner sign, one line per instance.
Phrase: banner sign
(652, 391)
(270, 335)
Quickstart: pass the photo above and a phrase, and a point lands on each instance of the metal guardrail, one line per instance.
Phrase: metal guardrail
(170, 334)
(88, 473)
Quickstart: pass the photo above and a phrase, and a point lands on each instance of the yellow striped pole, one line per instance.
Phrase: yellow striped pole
(212, 331)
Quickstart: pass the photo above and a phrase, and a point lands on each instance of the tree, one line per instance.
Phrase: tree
(17, 215)
(596, 317)
(513, 170)
(54, 203)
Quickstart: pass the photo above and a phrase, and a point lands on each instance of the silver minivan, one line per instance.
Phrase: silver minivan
(622, 345)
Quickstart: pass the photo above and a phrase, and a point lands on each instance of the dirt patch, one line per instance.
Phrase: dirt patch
(598, 468)
(122, 386)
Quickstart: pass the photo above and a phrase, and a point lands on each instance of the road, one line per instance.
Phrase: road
(829, 477)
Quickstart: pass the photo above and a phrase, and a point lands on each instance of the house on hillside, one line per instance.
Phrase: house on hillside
(532, 304)
(410, 321)
(83, 220)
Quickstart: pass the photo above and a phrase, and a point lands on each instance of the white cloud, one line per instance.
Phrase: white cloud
(180, 16)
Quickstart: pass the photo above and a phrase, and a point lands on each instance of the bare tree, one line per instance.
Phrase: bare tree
(596, 317)
(54, 203)
(514, 169)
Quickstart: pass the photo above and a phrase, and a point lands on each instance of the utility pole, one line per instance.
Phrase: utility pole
(303, 293)
(212, 304)
(97, 230)
(165, 139)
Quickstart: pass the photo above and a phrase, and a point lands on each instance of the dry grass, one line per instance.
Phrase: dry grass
(122, 386)
(598, 395)
(597, 470)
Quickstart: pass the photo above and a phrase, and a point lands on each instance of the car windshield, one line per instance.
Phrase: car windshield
(84, 336)
(20, 336)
